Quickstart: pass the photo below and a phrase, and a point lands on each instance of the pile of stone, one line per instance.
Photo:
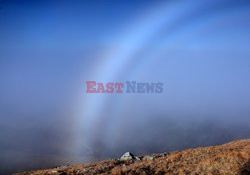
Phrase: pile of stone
(130, 156)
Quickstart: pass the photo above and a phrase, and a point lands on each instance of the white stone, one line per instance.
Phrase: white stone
(127, 156)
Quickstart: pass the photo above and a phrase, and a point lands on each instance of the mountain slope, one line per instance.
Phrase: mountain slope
(229, 159)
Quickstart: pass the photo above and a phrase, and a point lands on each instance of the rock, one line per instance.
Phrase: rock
(128, 156)
(148, 158)
(153, 156)
(137, 158)
(163, 154)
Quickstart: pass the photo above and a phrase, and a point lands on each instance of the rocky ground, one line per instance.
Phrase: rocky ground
(229, 159)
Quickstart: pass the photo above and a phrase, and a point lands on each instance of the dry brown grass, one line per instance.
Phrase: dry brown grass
(228, 159)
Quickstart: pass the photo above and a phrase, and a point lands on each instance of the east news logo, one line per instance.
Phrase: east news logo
(128, 87)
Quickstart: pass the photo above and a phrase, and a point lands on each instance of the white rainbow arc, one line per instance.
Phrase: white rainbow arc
(137, 35)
